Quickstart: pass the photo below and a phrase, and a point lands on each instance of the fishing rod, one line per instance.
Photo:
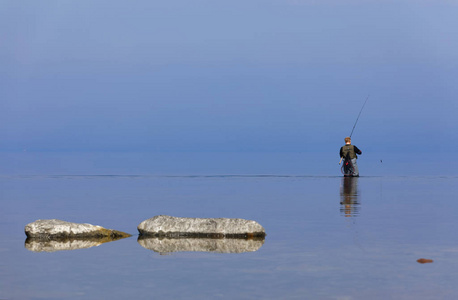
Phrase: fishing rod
(356, 122)
(359, 115)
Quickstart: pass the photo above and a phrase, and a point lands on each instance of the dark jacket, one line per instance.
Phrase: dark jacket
(353, 150)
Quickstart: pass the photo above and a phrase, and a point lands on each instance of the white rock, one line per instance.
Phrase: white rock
(50, 229)
(221, 227)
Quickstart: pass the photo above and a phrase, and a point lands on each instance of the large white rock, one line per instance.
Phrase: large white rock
(54, 229)
(166, 245)
(191, 227)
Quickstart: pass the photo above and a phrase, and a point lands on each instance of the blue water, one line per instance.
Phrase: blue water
(326, 238)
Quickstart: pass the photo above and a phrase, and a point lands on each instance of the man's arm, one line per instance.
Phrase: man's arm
(357, 151)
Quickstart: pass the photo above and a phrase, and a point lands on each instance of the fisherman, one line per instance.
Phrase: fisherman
(351, 151)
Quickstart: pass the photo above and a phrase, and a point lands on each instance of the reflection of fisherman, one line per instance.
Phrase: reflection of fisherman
(349, 197)
(351, 150)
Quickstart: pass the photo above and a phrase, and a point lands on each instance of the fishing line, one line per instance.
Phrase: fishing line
(359, 115)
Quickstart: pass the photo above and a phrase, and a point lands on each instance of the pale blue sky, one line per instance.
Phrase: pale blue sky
(228, 75)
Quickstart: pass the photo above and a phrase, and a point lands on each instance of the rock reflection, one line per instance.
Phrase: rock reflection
(222, 245)
(53, 245)
(349, 197)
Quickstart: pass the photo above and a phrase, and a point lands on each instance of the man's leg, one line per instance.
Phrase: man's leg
(355, 167)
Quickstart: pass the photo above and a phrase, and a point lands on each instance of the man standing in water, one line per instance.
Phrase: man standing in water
(351, 150)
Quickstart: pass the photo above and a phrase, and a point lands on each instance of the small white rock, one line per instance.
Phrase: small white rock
(49, 229)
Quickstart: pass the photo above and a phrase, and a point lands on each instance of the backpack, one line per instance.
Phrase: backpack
(347, 167)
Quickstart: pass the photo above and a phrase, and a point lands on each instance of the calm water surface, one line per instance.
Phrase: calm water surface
(327, 238)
